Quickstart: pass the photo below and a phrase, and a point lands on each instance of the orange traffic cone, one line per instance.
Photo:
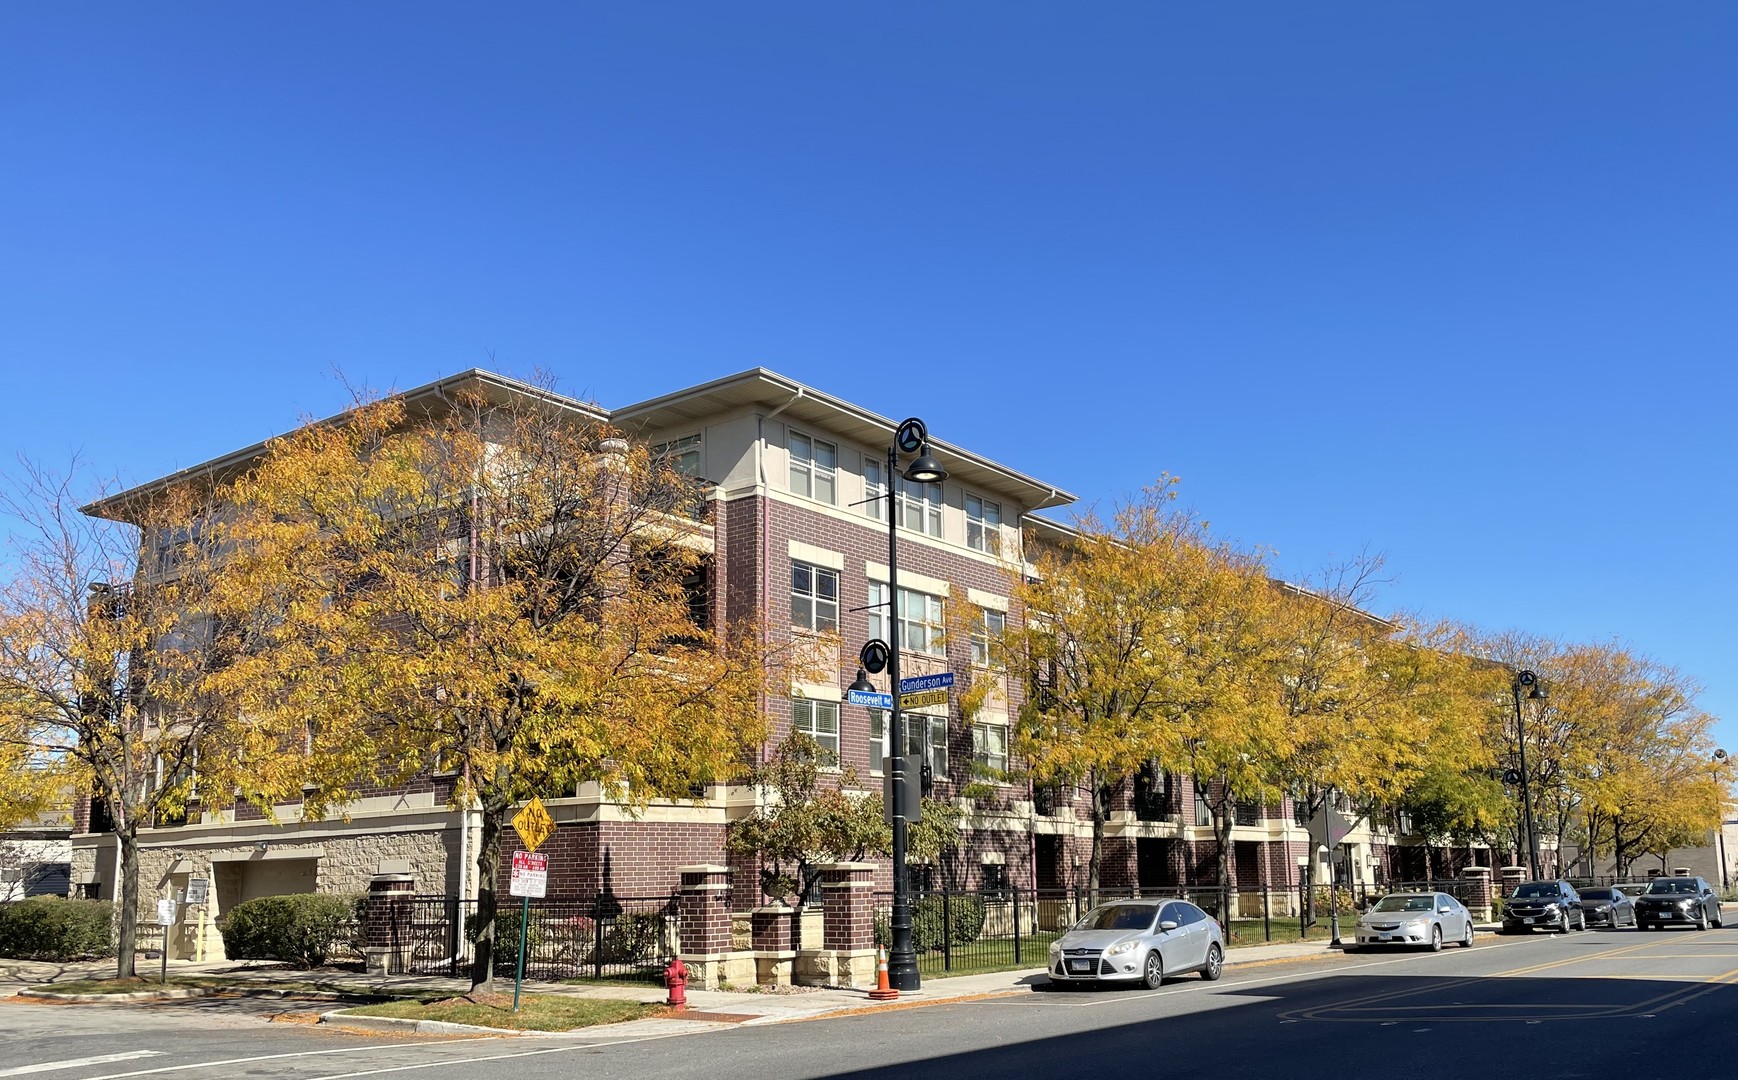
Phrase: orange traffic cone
(882, 991)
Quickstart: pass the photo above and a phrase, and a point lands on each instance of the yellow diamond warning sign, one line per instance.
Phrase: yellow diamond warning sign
(533, 824)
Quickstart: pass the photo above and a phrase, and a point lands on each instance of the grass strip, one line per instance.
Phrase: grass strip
(537, 1012)
(138, 984)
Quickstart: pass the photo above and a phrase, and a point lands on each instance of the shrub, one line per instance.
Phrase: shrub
(964, 915)
(507, 936)
(301, 929)
(51, 928)
(633, 939)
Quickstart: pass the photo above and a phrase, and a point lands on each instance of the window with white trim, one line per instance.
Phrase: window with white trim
(819, 720)
(925, 740)
(983, 525)
(920, 619)
(990, 746)
(814, 468)
(919, 507)
(985, 631)
(681, 454)
(814, 597)
(874, 489)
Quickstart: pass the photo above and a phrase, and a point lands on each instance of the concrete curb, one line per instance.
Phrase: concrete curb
(137, 995)
(392, 1025)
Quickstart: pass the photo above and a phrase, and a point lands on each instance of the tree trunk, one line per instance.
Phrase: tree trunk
(127, 904)
(488, 869)
(1222, 822)
(1429, 863)
(1100, 811)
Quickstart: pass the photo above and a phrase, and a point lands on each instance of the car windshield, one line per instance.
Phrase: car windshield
(1403, 903)
(1596, 894)
(1668, 887)
(1118, 917)
(1535, 892)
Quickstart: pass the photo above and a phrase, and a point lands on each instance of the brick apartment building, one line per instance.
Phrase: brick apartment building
(795, 481)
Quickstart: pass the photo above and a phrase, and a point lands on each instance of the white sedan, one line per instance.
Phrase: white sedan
(1416, 918)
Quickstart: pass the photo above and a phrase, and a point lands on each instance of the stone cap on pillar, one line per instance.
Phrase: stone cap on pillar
(390, 879)
(1475, 871)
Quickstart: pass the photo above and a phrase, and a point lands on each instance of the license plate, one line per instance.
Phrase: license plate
(1529, 919)
(1080, 965)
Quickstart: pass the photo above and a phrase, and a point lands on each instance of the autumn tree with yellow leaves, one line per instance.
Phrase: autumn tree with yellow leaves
(493, 589)
(1147, 642)
(112, 646)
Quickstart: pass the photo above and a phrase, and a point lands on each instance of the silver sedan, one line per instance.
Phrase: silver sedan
(1144, 941)
(1416, 918)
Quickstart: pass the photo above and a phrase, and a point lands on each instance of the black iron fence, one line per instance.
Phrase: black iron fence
(599, 937)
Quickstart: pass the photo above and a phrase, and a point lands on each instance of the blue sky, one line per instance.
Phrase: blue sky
(1452, 282)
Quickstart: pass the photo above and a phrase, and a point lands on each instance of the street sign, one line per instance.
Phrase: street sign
(196, 890)
(533, 824)
(926, 682)
(530, 875)
(869, 698)
(166, 912)
(922, 698)
(1329, 827)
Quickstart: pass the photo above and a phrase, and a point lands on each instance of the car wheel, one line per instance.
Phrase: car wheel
(1215, 965)
(1436, 938)
(1153, 974)
(1701, 918)
(1719, 921)
(1563, 923)
(1466, 940)
(1583, 926)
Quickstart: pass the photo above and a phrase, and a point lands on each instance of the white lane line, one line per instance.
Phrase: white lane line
(499, 1057)
(278, 1057)
(77, 1063)
(1204, 987)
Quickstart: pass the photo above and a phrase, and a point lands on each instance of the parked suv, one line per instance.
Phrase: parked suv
(1548, 905)
(1678, 901)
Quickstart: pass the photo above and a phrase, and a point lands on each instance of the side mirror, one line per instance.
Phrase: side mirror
(1445, 911)
(1168, 924)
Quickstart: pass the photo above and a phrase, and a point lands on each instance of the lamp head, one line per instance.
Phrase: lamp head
(1537, 693)
(925, 470)
(862, 685)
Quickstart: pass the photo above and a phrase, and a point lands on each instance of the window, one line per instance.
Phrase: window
(874, 489)
(682, 454)
(814, 597)
(983, 525)
(813, 467)
(920, 619)
(1203, 810)
(920, 507)
(916, 726)
(990, 746)
(989, 627)
(995, 880)
(820, 721)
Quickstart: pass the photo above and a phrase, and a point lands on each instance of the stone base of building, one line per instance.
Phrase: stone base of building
(835, 967)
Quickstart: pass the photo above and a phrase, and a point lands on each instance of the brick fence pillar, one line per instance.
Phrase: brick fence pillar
(1478, 891)
(703, 921)
(1512, 876)
(847, 953)
(386, 923)
(775, 935)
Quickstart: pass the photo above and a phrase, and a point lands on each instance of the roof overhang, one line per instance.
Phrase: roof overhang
(760, 389)
(430, 399)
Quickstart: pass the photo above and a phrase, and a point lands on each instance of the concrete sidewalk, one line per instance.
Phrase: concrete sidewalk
(729, 1007)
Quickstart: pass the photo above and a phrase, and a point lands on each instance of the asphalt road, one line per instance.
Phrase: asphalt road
(1589, 1004)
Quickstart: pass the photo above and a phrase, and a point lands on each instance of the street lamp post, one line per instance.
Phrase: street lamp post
(912, 437)
(1530, 682)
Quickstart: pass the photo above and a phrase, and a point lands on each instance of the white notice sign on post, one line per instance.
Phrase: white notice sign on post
(166, 912)
(530, 874)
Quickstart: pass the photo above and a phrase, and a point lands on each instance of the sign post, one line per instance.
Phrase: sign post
(530, 875)
(166, 919)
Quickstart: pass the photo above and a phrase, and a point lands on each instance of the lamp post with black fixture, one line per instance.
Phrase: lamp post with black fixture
(1526, 680)
(912, 438)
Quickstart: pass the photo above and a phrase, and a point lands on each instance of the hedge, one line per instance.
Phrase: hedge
(50, 928)
(302, 929)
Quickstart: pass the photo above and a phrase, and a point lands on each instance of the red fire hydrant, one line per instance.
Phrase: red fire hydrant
(676, 978)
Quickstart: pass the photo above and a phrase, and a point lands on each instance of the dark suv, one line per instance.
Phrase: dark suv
(1678, 901)
(1550, 905)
